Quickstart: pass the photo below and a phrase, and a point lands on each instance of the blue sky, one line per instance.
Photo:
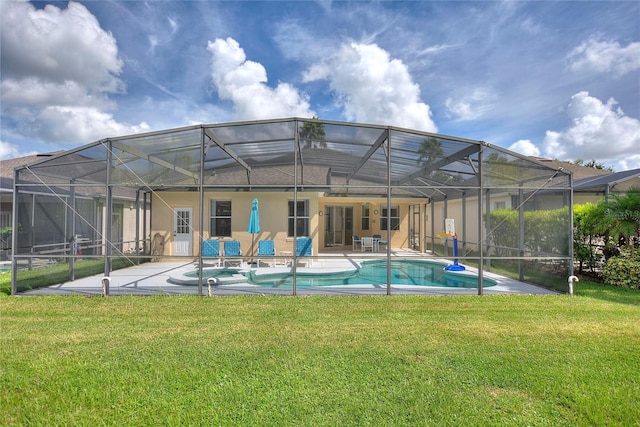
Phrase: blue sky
(553, 79)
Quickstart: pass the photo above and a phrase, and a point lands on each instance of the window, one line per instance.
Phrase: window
(301, 209)
(393, 219)
(365, 217)
(499, 205)
(220, 220)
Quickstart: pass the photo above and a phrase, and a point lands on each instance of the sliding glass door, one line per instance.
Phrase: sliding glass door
(338, 225)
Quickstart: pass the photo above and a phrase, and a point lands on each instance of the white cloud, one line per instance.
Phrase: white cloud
(525, 147)
(35, 92)
(602, 56)
(59, 45)
(629, 162)
(373, 88)
(244, 83)
(59, 67)
(473, 105)
(10, 151)
(83, 123)
(432, 50)
(598, 131)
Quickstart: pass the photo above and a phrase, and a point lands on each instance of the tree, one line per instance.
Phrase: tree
(429, 150)
(585, 234)
(622, 218)
(593, 164)
(312, 132)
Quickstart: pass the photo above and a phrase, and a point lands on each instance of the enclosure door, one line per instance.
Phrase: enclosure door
(338, 225)
(182, 231)
(414, 227)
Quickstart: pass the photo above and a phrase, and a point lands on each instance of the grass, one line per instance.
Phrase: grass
(57, 273)
(401, 360)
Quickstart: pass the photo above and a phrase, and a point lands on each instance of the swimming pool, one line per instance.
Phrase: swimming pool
(374, 272)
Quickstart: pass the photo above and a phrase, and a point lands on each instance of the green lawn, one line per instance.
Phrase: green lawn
(309, 361)
(57, 273)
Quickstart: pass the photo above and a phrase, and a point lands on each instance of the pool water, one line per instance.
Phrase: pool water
(403, 272)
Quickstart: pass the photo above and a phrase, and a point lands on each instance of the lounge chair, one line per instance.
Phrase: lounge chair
(367, 243)
(232, 254)
(211, 251)
(266, 248)
(304, 248)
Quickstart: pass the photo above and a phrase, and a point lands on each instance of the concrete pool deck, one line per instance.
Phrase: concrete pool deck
(163, 278)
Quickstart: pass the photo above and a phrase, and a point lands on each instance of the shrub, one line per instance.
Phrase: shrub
(545, 231)
(504, 233)
(586, 220)
(623, 271)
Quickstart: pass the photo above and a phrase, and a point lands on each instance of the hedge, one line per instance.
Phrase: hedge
(545, 232)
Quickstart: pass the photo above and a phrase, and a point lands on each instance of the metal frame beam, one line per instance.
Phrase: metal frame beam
(381, 139)
(462, 154)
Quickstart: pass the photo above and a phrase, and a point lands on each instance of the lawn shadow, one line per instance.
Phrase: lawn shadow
(608, 293)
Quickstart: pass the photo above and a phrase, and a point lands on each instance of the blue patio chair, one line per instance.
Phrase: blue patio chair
(379, 241)
(211, 249)
(304, 248)
(266, 248)
(232, 252)
(355, 242)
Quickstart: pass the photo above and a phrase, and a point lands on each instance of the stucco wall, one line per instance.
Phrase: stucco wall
(273, 218)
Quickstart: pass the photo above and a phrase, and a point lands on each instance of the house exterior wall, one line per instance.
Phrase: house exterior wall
(399, 238)
(583, 198)
(273, 218)
(466, 223)
(124, 233)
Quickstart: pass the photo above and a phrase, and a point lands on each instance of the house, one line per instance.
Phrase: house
(596, 188)
(44, 222)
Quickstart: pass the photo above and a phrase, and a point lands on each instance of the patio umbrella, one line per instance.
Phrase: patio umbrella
(254, 223)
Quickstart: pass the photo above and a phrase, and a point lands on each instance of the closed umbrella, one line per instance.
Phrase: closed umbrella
(254, 222)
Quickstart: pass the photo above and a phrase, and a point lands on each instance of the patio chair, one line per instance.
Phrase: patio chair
(232, 254)
(211, 249)
(304, 248)
(380, 242)
(266, 248)
(367, 242)
(355, 242)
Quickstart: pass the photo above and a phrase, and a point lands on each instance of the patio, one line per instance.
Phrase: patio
(170, 278)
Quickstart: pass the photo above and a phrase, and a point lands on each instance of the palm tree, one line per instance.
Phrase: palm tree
(312, 132)
(593, 164)
(623, 217)
(429, 150)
